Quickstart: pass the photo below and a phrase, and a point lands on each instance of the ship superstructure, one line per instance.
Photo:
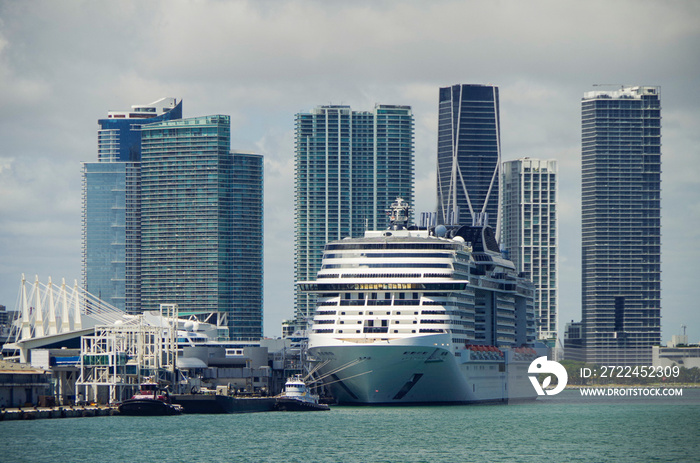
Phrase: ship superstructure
(422, 315)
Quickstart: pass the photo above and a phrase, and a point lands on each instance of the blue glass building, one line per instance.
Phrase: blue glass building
(245, 196)
(104, 231)
(201, 223)
(350, 166)
(621, 225)
(110, 255)
(468, 154)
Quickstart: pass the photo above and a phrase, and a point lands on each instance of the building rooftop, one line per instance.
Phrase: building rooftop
(154, 109)
(13, 367)
(624, 92)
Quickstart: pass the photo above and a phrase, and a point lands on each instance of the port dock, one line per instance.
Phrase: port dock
(35, 413)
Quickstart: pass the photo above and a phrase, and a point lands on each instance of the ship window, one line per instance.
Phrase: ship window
(369, 313)
(387, 296)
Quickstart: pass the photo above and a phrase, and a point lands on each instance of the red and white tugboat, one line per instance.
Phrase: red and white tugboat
(151, 400)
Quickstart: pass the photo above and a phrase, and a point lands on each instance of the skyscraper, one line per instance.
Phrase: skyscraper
(246, 201)
(201, 223)
(621, 225)
(349, 167)
(110, 257)
(469, 155)
(529, 232)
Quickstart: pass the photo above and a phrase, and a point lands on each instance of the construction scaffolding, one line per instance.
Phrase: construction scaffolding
(118, 358)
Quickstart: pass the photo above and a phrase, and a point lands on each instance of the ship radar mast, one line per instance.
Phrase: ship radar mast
(398, 214)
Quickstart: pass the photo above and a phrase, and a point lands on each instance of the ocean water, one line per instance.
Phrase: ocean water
(566, 427)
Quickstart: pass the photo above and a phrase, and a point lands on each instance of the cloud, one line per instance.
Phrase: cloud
(39, 222)
(63, 65)
(276, 145)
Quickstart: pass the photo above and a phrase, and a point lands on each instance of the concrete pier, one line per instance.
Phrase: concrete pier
(36, 413)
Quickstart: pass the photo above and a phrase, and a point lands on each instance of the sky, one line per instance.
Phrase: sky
(64, 65)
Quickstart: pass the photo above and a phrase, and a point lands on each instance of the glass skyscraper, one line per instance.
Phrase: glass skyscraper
(529, 232)
(621, 225)
(110, 257)
(201, 223)
(246, 289)
(349, 167)
(469, 155)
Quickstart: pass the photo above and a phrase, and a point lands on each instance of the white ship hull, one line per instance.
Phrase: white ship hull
(415, 370)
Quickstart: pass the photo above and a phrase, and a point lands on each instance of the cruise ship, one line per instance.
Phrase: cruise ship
(417, 316)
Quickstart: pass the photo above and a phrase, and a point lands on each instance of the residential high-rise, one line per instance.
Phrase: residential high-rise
(529, 232)
(469, 155)
(246, 201)
(350, 166)
(110, 257)
(201, 223)
(621, 225)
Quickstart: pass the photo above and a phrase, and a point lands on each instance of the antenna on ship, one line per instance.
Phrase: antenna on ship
(398, 214)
